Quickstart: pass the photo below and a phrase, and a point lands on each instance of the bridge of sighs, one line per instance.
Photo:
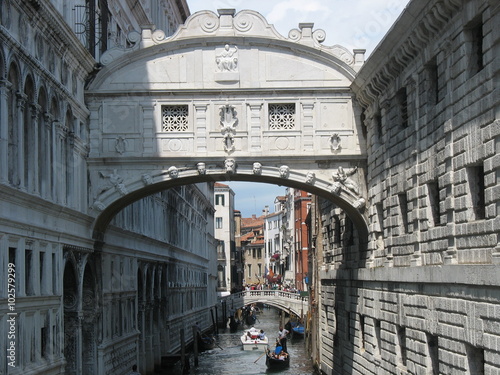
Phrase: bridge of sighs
(226, 98)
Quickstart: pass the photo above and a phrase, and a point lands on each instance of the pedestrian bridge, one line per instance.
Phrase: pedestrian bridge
(225, 98)
(289, 302)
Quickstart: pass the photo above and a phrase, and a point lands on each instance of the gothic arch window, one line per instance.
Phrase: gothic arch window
(29, 138)
(13, 126)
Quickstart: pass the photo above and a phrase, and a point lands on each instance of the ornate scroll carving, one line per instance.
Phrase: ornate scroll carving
(228, 122)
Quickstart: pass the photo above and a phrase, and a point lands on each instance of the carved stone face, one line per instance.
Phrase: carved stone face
(173, 172)
(229, 164)
(201, 168)
(310, 177)
(257, 168)
(284, 170)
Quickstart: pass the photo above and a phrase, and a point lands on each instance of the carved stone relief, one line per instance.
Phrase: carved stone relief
(228, 123)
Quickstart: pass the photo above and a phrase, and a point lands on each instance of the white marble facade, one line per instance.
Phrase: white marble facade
(77, 306)
(92, 134)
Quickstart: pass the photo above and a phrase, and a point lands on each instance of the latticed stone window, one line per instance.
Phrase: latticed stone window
(281, 116)
(174, 118)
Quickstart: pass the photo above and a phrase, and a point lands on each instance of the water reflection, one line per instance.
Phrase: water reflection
(228, 358)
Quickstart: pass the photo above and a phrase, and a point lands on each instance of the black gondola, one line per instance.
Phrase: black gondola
(277, 361)
(250, 319)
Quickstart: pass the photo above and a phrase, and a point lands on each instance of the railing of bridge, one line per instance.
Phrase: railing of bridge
(265, 293)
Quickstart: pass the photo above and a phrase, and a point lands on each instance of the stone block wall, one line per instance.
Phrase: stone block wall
(425, 298)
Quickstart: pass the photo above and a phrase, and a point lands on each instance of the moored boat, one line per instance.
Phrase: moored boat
(298, 331)
(252, 339)
(206, 342)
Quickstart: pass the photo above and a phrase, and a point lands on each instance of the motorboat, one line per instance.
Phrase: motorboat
(252, 340)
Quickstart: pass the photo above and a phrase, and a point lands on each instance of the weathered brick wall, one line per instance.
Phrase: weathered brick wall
(425, 299)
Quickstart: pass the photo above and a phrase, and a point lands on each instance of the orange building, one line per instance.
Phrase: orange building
(302, 203)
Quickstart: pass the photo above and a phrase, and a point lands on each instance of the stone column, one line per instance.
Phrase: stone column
(307, 126)
(4, 131)
(256, 126)
(33, 172)
(200, 132)
(148, 129)
(21, 106)
(60, 162)
(53, 158)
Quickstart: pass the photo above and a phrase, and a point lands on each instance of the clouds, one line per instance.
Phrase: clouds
(352, 24)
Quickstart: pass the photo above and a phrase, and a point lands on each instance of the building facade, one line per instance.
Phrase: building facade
(424, 297)
(80, 306)
(301, 205)
(225, 237)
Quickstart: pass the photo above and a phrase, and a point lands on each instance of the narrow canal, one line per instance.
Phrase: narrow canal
(229, 358)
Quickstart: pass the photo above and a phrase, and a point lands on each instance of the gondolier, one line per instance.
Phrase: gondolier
(282, 337)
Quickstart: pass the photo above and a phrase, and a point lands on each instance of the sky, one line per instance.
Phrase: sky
(351, 23)
(354, 24)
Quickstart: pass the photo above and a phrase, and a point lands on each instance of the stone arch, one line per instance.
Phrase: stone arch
(114, 200)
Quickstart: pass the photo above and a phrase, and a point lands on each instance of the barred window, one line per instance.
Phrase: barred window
(281, 116)
(174, 118)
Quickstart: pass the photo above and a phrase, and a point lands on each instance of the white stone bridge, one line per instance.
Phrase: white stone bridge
(289, 302)
(226, 98)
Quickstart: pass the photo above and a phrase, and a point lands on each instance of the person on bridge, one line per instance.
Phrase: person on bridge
(282, 336)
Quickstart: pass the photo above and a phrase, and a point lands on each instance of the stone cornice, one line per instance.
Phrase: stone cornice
(59, 31)
(415, 28)
(227, 25)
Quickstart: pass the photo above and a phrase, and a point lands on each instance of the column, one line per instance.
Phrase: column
(148, 129)
(4, 131)
(21, 107)
(200, 124)
(256, 127)
(33, 170)
(307, 126)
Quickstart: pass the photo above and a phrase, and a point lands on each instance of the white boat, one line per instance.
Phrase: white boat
(251, 340)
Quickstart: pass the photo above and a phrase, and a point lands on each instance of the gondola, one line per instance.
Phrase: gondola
(277, 361)
(251, 319)
(298, 331)
(233, 324)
